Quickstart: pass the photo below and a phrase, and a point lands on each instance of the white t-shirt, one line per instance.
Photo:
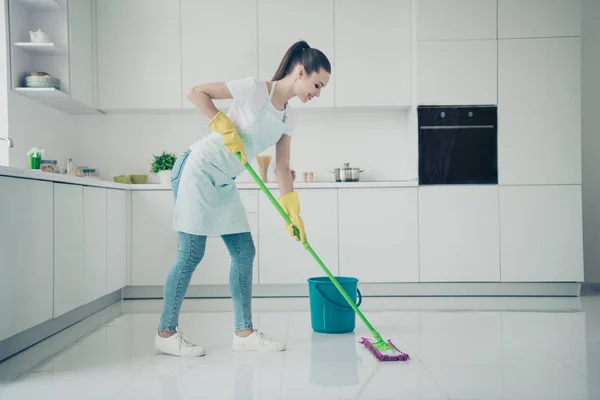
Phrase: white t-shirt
(249, 98)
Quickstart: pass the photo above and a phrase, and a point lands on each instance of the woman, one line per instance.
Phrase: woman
(207, 202)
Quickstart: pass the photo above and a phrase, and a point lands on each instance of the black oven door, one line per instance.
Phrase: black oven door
(458, 145)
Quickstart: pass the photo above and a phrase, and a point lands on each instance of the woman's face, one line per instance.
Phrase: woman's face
(307, 86)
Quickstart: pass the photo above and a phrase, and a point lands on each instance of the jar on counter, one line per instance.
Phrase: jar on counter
(50, 166)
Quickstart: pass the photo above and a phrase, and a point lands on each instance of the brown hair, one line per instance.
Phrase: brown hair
(301, 53)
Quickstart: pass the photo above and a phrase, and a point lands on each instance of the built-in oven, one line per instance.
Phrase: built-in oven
(458, 145)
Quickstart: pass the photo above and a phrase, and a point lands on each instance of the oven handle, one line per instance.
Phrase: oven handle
(457, 127)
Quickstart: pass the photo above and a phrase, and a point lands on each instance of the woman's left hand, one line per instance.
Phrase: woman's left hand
(291, 205)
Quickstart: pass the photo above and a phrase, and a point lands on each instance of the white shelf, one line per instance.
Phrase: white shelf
(43, 5)
(56, 99)
(46, 49)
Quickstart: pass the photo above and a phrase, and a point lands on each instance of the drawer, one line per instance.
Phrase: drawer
(249, 200)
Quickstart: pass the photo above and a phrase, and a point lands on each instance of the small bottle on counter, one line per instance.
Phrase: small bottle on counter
(305, 177)
(311, 176)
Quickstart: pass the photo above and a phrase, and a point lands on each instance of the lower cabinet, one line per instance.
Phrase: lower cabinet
(26, 248)
(69, 274)
(378, 234)
(541, 233)
(283, 259)
(116, 240)
(459, 234)
(94, 244)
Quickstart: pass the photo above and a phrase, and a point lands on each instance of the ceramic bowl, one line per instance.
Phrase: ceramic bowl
(139, 179)
(122, 179)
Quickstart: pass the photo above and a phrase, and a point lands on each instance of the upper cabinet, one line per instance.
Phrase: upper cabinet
(539, 111)
(457, 72)
(139, 54)
(284, 22)
(372, 53)
(538, 18)
(456, 19)
(209, 57)
(60, 54)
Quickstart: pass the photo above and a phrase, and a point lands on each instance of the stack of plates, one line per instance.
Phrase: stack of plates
(42, 82)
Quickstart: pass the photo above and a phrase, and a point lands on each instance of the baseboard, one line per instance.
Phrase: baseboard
(31, 336)
(492, 289)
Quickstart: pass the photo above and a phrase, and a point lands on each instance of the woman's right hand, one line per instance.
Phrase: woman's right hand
(223, 125)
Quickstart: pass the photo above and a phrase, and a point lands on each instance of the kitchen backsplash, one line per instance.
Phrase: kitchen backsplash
(376, 141)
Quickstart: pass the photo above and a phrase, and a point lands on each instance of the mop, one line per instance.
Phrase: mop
(382, 350)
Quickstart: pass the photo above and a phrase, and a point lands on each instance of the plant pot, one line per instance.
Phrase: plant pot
(165, 177)
(35, 162)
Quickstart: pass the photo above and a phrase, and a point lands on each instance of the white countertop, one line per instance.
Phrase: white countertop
(47, 176)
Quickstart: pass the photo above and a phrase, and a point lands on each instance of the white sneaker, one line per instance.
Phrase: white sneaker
(257, 341)
(178, 345)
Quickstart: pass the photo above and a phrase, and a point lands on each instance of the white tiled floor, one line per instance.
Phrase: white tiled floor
(515, 348)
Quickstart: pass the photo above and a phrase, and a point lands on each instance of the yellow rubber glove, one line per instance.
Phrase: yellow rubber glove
(291, 205)
(231, 138)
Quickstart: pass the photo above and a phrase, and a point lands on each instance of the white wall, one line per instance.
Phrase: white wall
(324, 139)
(33, 124)
(591, 138)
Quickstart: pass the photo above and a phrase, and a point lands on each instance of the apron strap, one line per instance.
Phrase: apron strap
(271, 96)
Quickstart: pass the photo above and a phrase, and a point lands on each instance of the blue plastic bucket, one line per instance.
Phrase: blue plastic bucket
(329, 311)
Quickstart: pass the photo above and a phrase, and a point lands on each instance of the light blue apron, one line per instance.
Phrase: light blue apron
(208, 202)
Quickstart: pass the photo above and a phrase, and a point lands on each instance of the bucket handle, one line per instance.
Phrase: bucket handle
(340, 306)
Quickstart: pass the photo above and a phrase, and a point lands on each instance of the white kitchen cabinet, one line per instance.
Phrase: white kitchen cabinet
(94, 243)
(69, 272)
(459, 234)
(139, 54)
(26, 248)
(378, 234)
(116, 240)
(154, 242)
(209, 57)
(541, 233)
(456, 19)
(539, 18)
(282, 258)
(539, 111)
(282, 23)
(372, 53)
(458, 72)
(82, 62)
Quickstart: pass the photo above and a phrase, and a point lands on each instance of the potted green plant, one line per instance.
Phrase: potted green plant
(35, 157)
(162, 166)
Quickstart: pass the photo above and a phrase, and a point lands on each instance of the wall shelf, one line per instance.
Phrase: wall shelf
(56, 99)
(44, 5)
(46, 49)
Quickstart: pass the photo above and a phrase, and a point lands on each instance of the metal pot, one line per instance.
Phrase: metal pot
(347, 173)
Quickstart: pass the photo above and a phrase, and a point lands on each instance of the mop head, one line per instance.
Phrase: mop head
(384, 351)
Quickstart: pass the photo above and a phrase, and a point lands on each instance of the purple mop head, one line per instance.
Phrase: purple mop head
(385, 357)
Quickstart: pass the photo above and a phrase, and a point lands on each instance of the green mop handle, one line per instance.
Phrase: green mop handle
(307, 246)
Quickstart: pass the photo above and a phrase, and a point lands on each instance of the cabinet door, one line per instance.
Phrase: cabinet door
(26, 248)
(538, 18)
(539, 111)
(139, 54)
(378, 231)
(8, 258)
(459, 234)
(372, 53)
(456, 19)
(282, 23)
(116, 240)
(283, 259)
(541, 231)
(82, 65)
(69, 276)
(94, 243)
(154, 242)
(458, 72)
(210, 57)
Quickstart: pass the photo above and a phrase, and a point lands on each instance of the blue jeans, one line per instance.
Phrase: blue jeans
(190, 252)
